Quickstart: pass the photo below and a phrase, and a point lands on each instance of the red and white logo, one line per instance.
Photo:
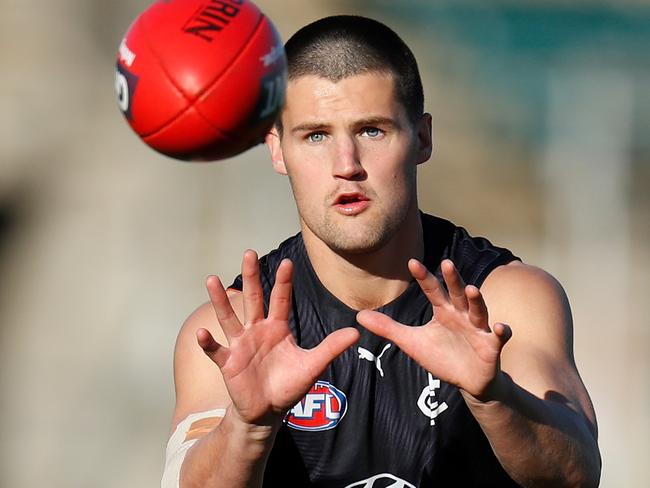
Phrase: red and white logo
(322, 408)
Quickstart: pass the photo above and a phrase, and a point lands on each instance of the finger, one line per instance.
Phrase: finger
(382, 325)
(228, 321)
(253, 295)
(477, 311)
(331, 347)
(503, 332)
(455, 285)
(429, 283)
(280, 301)
(215, 351)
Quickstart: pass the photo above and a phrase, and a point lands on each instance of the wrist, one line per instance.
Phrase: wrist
(498, 391)
(255, 438)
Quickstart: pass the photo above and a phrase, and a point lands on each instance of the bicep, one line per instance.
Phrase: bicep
(539, 357)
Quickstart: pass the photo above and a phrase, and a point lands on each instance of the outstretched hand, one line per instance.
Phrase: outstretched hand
(457, 345)
(265, 371)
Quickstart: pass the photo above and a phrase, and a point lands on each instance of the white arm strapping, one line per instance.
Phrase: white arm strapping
(177, 447)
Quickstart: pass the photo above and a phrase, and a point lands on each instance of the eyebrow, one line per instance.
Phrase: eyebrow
(378, 120)
(369, 121)
(310, 127)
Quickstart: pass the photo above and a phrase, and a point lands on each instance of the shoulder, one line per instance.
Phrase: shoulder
(533, 303)
(517, 277)
(518, 287)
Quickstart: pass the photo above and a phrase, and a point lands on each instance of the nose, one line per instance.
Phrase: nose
(347, 161)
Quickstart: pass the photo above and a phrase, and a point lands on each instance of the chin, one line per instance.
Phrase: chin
(366, 243)
(364, 234)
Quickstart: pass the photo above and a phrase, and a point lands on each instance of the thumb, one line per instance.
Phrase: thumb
(332, 346)
(215, 351)
(382, 325)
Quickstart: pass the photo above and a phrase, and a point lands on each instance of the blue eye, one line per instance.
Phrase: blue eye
(316, 137)
(372, 132)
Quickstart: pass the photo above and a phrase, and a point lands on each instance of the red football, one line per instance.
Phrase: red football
(201, 79)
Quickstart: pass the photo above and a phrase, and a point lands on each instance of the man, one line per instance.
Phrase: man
(434, 392)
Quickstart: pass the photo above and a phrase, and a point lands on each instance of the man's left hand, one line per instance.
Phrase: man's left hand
(458, 345)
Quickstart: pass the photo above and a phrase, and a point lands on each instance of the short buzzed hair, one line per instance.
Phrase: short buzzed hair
(346, 45)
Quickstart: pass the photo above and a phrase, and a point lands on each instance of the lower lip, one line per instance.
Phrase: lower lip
(352, 208)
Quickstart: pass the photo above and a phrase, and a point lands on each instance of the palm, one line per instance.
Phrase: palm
(263, 368)
(466, 358)
(457, 345)
(261, 373)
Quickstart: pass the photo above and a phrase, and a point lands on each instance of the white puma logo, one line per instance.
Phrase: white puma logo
(367, 355)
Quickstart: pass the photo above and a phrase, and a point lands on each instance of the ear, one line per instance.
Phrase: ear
(424, 139)
(272, 141)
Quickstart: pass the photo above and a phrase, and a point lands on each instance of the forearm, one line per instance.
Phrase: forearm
(232, 454)
(538, 442)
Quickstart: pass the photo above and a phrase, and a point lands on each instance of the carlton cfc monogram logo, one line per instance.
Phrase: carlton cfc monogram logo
(322, 408)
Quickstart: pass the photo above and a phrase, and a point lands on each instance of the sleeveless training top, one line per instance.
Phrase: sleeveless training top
(375, 418)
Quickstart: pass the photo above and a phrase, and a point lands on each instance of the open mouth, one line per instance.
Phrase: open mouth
(350, 198)
(351, 204)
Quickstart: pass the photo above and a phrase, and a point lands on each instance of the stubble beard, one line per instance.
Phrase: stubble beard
(355, 235)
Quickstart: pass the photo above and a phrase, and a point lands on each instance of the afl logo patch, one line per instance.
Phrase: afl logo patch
(322, 408)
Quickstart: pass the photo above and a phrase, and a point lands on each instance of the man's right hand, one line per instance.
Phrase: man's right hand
(264, 370)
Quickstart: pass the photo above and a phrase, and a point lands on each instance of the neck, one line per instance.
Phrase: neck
(368, 280)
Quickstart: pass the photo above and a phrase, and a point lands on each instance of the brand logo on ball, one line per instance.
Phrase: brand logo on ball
(125, 84)
(213, 17)
(384, 480)
(276, 52)
(322, 408)
(272, 95)
(126, 55)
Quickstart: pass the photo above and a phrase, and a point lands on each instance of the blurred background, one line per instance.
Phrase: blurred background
(541, 120)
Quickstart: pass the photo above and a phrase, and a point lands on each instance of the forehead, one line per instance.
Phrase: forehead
(311, 98)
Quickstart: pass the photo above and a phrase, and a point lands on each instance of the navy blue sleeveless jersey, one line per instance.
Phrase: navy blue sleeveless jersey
(376, 418)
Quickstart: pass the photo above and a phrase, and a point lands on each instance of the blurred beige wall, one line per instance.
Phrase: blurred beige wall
(104, 244)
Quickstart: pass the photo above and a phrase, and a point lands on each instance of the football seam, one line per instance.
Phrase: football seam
(191, 101)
